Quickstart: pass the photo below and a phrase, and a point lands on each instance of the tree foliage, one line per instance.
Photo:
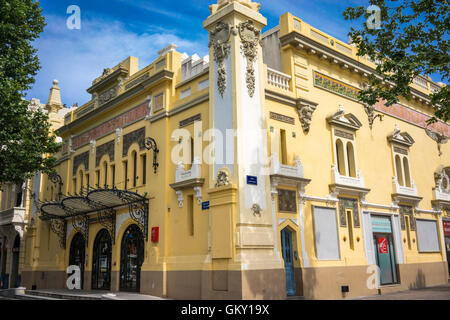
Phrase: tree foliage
(25, 138)
(413, 40)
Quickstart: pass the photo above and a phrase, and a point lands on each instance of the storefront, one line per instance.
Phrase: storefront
(446, 225)
(383, 243)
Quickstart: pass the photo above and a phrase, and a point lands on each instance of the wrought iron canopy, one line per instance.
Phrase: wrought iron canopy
(96, 200)
(102, 204)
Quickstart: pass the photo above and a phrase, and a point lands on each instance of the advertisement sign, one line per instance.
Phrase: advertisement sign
(382, 245)
(446, 225)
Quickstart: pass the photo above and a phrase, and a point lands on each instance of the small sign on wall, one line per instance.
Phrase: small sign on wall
(205, 205)
(155, 234)
(382, 245)
(251, 180)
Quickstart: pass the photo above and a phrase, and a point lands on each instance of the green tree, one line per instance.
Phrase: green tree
(413, 40)
(25, 137)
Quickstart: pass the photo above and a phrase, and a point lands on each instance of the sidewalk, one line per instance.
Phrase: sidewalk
(432, 293)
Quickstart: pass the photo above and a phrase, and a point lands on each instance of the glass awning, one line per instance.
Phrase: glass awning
(94, 201)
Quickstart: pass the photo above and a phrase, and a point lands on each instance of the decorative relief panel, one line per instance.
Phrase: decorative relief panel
(343, 134)
(330, 84)
(287, 201)
(132, 137)
(110, 126)
(251, 39)
(108, 95)
(401, 151)
(190, 120)
(218, 39)
(406, 210)
(137, 81)
(281, 118)
(345, 204)
(107, 148)
(79, 160)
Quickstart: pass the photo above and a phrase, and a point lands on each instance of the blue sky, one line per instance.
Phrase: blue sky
(115, 29)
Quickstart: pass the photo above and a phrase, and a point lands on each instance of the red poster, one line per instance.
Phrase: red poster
(446, 228)
(382, 245)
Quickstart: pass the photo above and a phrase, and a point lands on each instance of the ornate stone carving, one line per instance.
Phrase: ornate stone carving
(92, 143)
(440, 138)
(370, 110)
(79, 160)
(251, 38)
(222, 179)
(218, 39)
(118, 134)
(106, 148)
(305, 113)
(256, 208)
(108, 95)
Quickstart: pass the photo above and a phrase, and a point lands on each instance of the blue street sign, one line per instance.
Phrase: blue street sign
(205, 205)
(252, 180)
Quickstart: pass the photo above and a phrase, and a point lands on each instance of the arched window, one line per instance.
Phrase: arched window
(340, 157)
(351, 160)
(105, 170)
(134, 157)
(398, 167)
(81, 182)
(406, 168)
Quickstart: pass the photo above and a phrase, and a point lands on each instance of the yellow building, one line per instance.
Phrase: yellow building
(253, 173)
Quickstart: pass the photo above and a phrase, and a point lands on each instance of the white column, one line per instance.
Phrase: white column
(305, 257)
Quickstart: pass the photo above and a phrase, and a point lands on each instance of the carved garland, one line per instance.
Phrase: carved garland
(251, 38)
(218, 39)
(222, 179)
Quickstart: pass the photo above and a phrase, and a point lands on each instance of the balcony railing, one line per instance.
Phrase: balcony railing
(403, 190)
(13, 215)
(278, 79)
(194, 173)
(277, 168)
(338, 179)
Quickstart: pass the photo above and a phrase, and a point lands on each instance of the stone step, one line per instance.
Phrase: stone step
(60, 296)
(32, 297)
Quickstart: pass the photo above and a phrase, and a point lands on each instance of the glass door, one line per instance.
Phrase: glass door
(132, 257)
(77, 254)
(385, 257)
(286, 247)
(101, 262)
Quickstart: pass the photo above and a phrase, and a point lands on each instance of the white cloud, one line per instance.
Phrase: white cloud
(76, 57)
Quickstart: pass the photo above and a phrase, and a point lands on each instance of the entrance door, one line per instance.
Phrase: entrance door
(131, 259)
(385, 256)
(447, 245)
(15, 281)
(101, 261)
(286, 247)
(77, 254)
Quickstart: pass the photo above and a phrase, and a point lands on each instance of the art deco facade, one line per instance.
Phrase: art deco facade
(312, 191)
